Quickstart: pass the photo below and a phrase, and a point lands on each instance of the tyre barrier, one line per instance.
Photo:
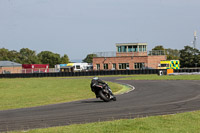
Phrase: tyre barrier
(96, 73)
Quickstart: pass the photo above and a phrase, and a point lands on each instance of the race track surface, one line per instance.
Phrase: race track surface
(149, 98)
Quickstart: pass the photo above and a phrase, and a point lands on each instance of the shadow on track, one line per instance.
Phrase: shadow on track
(99, 101)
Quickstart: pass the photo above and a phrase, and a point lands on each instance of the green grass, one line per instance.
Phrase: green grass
(30, 92)
(164, 77)
(180, 123)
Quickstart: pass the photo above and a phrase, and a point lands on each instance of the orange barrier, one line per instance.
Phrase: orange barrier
(170, 71)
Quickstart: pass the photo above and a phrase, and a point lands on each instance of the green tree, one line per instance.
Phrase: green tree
(189, 57)
(159, 47)
(47, 57)
(4, 54)
(14, 56)
(64, 59)
(172, 54)
(7, 55)
(28, 56)
(89, 58)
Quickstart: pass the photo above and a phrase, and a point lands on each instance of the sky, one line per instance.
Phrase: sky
(81, 27)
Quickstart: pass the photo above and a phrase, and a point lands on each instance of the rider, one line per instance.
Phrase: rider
(96, 81)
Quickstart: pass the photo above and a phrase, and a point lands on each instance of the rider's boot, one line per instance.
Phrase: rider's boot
(112, 97)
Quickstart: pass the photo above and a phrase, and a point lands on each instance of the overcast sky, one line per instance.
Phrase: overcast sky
(80, 27)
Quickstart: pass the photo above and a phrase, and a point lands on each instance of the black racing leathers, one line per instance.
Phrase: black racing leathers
(95, 83)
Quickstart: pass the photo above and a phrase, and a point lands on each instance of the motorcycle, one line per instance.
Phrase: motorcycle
(102, 92)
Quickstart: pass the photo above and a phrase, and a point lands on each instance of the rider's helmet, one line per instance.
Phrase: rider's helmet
(95, 78)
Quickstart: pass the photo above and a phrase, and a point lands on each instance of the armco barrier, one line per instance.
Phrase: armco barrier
(186, 70)
(93, 73)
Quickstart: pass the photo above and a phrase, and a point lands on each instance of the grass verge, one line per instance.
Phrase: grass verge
(164, 77)
(30, 92)
(125, 88)
(180, 123)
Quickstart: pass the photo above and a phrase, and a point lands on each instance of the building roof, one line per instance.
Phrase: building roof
(9, 64)
(129, 44)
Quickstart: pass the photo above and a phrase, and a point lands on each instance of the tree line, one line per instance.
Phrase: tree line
(28, 56)
(189, 56)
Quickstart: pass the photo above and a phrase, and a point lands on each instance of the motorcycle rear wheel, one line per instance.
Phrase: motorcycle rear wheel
(104, 96)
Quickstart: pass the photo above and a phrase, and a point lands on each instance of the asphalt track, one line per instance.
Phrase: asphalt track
(149, 98)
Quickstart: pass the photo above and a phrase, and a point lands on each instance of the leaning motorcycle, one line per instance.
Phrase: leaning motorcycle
(103, 93)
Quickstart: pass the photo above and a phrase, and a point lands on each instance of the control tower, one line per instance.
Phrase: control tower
(131, 49)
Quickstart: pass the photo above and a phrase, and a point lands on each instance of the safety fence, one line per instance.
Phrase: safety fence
(187, 70)
(95, 73)
(35, 70)
(86, 73)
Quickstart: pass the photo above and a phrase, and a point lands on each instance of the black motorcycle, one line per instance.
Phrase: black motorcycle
(104, 93)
